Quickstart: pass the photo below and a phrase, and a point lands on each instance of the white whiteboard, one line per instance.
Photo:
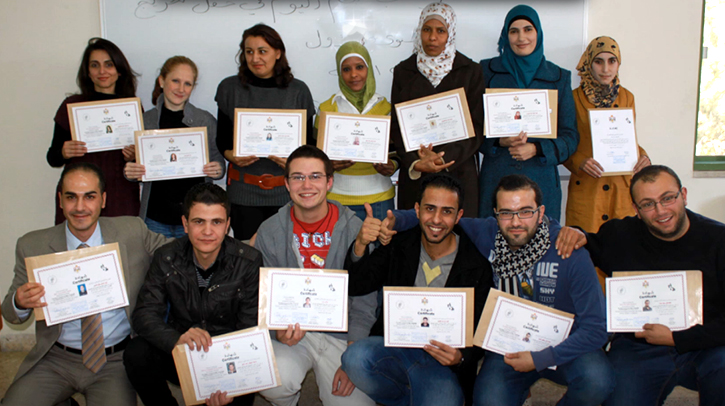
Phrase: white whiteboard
(209, 32)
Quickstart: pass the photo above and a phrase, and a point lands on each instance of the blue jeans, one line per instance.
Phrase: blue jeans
(590, 379)
(400, 376)
(646, 374)
(380, 209)
(165, 229)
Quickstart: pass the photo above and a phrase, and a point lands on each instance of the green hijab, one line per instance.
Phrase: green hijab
(358, 99)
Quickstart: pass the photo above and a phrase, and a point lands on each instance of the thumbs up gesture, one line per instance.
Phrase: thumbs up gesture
(369, 231)
(386, 229)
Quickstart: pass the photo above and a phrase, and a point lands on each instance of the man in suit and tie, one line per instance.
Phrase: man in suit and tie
(84, 355)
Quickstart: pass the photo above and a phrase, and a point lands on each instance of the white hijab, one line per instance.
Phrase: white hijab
(435, 68)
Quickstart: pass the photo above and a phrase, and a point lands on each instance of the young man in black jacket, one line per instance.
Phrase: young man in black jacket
(199, 286)
(436, 253)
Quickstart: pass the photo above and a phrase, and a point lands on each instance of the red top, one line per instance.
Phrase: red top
(314, 239)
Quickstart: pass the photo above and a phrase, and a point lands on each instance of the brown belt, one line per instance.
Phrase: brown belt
(266, 181)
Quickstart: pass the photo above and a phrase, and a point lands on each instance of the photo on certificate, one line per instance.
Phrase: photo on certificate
(78, 283)
(614, 140)
(439, 119)
(415, 316)
(106, 125)
(670, 298)
(315, 298)
(172, 154)
(354, 137)
(510, 324)
(508, 112)
(238, 363)
(265, 132)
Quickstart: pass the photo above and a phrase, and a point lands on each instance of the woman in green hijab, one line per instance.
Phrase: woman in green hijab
(357, 183)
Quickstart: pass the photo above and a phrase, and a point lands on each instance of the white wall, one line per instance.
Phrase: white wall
(41, 46)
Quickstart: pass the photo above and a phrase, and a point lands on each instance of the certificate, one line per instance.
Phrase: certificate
(507, 112)
(439, 119)
(78, 283)
(511, 324)
(614, 142)
(662, 297)
(265, 132)
(414, 316)
(105, 125)
(237, 363)
(354, 137)
(172, 154)
(316, 299)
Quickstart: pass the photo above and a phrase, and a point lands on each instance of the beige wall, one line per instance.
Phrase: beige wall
(41, 46)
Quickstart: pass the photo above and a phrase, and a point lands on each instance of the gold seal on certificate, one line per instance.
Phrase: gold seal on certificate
(172, 154)
(414, 316)
(314, 298)
(354, 137)
(670, 298)
(105, 125)
(508, 112)
(237, 363)
(78, 283)
(511, 324)
(439, 119)
(265, 132)
(614, 142)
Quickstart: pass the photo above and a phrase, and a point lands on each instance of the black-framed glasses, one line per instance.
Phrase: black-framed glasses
(522, 214)
(665, 201)
(315, 177)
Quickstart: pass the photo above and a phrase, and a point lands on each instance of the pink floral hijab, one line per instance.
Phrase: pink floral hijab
(435, 68)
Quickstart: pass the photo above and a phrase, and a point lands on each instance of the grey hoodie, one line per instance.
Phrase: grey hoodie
(275, 239)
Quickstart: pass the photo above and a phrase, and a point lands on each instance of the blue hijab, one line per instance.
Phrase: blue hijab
(523, 68)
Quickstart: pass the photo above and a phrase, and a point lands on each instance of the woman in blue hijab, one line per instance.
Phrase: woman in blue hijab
(521, 64)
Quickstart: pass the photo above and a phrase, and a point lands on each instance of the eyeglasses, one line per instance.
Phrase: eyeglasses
(665, 201)
(315, 177)
(522, 214)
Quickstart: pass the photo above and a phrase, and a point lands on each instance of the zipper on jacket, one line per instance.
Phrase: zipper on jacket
(195, 288)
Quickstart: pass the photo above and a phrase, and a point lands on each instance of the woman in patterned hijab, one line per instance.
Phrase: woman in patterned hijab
(436, 67)
(593, 198)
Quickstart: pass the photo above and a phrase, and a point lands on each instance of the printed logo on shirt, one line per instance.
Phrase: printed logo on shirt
(319, 240)
(547, 274)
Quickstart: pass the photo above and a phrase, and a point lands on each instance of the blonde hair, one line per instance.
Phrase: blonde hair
(166, 68)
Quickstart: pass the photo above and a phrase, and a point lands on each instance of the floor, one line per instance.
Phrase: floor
(543, 393)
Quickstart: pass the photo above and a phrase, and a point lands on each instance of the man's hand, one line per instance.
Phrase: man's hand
(656, 334)
(129, 153)
(73, 149)
(291, 336)
(520, 361)
(196, 338)
(132, 170)
(642, 163)
(569, 239)
(219, 398)
(430, 161)
(240, 161)
(443, 353)
(386, 229)
(592, 168)
(340, 165)
(369, 231)
(28, 296)
(341, 384)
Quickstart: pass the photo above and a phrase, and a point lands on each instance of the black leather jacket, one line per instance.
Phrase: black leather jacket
(170, 301)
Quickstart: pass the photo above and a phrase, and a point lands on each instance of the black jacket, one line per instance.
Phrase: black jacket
(397, 265)
(170, 301)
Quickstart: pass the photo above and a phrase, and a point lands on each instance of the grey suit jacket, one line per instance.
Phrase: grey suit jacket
(136, 243)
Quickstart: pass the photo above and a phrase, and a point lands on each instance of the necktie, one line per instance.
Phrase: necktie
(94, 350)
(430, 274)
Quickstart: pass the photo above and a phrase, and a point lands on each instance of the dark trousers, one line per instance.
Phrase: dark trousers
(247, 219)
(148, 368)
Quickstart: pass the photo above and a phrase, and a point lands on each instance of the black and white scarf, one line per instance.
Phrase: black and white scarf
(509, 264)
